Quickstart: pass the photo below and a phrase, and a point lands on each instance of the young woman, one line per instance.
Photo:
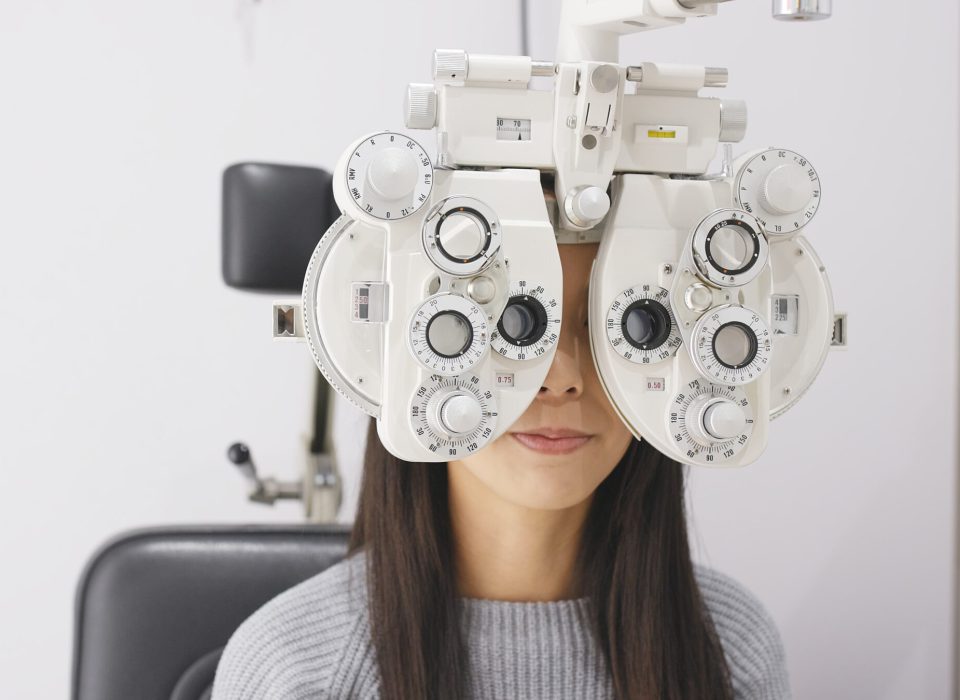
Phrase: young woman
(553, 564)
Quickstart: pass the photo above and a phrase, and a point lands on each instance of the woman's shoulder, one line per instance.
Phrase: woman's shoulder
(748, 634)
(293, 644)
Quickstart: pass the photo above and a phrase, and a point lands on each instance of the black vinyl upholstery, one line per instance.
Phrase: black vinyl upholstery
(273, 216)
(155, 607)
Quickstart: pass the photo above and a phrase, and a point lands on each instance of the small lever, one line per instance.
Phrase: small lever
(264, 490)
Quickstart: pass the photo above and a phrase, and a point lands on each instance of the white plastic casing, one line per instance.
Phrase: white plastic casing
(370, 363)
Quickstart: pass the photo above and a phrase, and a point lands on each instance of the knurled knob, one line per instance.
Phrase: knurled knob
(450, 64)
(733, 121)
(420, 106)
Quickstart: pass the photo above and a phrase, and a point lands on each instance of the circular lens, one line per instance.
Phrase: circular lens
(646, 324)
(734, 345)
(523, 322)
(731, 247)
(449, 334)
(641, 326)
(462, 235)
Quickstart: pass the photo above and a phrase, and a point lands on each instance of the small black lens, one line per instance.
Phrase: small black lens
(646, 324)
(523, 322)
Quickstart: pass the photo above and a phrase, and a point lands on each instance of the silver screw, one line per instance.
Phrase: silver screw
(668, 269)
(572, 121)
(786, 391)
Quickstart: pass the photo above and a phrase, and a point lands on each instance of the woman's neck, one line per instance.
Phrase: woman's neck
(504, 551)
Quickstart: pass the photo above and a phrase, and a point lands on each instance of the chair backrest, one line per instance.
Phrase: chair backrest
(155, 607)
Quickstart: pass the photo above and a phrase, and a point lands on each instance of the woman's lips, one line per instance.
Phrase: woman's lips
(551, 445)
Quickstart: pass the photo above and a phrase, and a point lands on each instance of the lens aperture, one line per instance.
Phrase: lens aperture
(646, 324)
(734, 345)
(523, 322)
(449, 334)
(462, 235)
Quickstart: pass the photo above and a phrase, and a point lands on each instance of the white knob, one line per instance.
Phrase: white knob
(586, 205)
(786, 190)
(450, 64)
(733, 121)
(420, 106)
(393, 174)
(723, 420)
(460, 414)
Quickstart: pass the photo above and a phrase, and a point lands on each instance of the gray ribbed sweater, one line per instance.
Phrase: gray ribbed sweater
(313, 641)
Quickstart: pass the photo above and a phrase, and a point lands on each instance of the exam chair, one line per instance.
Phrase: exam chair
(155, 607)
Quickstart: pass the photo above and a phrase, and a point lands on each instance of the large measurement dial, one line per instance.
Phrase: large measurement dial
(731, 345)
(389, 176)
(781, 188)
(453, 416)
(529, 324)
(710, 422)
(641, 326)
(448, 334)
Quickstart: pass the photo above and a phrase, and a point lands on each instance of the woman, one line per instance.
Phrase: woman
(553, 563)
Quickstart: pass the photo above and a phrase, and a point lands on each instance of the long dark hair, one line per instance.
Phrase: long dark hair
(634, 565)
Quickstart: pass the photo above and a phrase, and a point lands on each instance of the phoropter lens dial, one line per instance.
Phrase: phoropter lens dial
(729, 247)
(781, 188)
(448, 334)
(529, 324)
(461, 236)
(710, 422)
(731, 345)
(453, 416)
(641, 326)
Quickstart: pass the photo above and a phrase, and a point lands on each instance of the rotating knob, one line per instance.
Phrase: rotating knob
(712, 419)
(393, 174)
(787, 189)
(723, 420)
(387, 176)
(420, 106)
(733, 121)
(456, 412)
(586, 205)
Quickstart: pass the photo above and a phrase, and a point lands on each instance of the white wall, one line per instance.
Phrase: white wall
(128, 367)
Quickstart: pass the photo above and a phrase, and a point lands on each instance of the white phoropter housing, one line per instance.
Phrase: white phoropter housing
(434, 302)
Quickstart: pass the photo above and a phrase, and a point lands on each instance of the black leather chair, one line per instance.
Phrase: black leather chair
(155, 607)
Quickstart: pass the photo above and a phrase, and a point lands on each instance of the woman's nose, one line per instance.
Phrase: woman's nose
(564, 381)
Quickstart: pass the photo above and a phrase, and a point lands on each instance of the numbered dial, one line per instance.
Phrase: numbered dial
(461, 235)
(529, 325)
(731, 345)
(453, 416)
(781, 188)
(709, 422)
(448, 334)
(389, 176)
(641, 326)
(729, 247)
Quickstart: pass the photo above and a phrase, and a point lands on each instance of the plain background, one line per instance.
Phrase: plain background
(128, 367)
